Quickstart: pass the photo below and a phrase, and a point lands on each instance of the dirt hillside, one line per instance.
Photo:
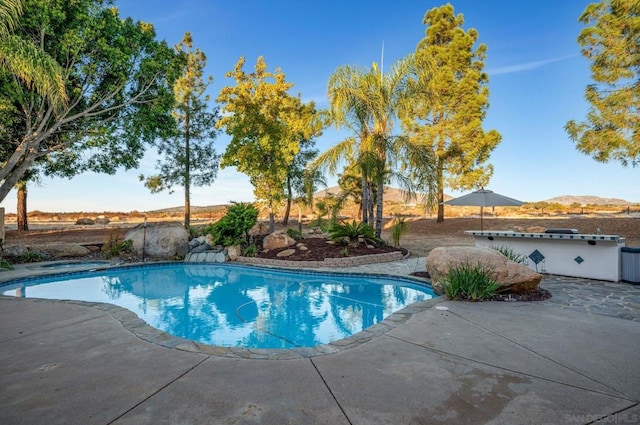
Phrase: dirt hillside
(423, 235)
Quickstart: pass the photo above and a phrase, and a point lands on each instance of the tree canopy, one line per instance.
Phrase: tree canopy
(189, 157)
(117, 79)
(449, 101)
(612, 43)
(266, 125)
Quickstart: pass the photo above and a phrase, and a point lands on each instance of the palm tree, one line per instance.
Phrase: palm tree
(366, 101)
(26, 61)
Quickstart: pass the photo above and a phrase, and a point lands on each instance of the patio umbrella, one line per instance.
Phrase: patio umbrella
(484, 198)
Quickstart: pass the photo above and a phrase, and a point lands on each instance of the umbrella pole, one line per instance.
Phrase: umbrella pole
(481, 224)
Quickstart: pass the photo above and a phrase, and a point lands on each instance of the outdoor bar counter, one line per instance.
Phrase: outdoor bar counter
(577, 255)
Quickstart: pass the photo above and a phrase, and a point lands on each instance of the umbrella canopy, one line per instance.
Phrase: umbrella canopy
(484, 198)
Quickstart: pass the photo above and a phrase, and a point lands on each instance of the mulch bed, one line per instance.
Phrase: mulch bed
(539, 295)
(319, 249)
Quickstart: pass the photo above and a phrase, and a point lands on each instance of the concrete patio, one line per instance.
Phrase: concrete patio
(494, 363)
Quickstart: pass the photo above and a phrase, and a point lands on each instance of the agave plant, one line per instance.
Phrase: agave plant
(353, 231)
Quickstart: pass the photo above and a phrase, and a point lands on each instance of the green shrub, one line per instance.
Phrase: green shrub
(5, 264)
(400, 227)
(115, 246)
(469, 282)
(294, 234)
(511, 253)
(324, 224)
(194, 232)
(344, 251)
(233, 228)
(353, 231)
(31, 257)
(250, 251)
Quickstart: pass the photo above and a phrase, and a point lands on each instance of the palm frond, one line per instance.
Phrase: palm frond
(35, 68)
(10, 11)
(331, 158)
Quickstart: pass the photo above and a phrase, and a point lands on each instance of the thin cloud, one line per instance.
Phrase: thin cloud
(510, 69)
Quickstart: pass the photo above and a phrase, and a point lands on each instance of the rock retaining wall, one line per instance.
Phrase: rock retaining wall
(328, 262)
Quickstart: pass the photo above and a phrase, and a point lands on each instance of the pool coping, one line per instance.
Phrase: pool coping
(141, 329)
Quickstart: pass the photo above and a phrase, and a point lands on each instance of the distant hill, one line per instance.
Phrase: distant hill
(587, 200)
(194, 209)
(391, 194)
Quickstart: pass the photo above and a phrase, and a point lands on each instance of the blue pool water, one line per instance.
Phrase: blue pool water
(237, 306)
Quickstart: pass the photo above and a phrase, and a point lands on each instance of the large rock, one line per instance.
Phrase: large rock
(513, 277)
(286, 253)
(259, 229)
(61, 250)
(161, 240)
(233, 252)
(101, 220)
(200, 248)
(277, 240)
(15, 250)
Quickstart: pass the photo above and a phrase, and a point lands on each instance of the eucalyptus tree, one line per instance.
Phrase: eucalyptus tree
(266, 125)
(189, 157)
(117, 79)
(366, 101)
(449, 101)
(612, 43)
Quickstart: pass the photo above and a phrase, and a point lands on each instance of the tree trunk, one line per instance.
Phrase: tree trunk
(12, 172)
(379, 204)
(187, 175)
(440, 184)
(23, 225)
(285, 219)
(365, 199)
(272, 224)
(370, 204)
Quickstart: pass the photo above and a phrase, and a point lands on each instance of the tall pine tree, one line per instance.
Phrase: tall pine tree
(612, 44)
(449, 102)
(189, 158)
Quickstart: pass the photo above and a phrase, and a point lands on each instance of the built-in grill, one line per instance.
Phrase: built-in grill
(562, 231)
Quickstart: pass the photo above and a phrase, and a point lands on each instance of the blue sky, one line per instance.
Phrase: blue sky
(537, 79)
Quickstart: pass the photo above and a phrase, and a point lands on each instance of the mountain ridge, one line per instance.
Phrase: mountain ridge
(393, 194)
(587, 200)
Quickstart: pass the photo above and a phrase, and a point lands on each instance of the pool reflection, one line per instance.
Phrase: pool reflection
(243, 306)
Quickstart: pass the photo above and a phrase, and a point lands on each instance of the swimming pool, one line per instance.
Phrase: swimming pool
(236, 306)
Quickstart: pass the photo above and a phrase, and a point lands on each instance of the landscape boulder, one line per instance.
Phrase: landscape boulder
(286, 253)
(14, 250)
(277, 240)
(85, 222)
(259, 229)
(200, 248)
(101, 220)
(233, 252)
(513, 277)
(160, 240)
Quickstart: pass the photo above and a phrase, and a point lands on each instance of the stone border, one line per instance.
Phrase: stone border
(141, 329)
(328, 262)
